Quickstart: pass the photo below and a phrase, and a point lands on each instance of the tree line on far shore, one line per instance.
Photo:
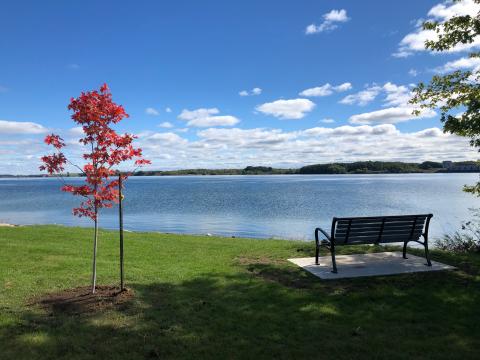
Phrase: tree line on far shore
(359, 167)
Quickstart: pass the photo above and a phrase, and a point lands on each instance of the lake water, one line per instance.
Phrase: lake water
(284, 206)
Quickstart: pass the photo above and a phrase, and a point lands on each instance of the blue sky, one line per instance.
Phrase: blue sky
(331, 79)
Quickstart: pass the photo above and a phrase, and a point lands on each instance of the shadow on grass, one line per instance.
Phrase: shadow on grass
(265, 311)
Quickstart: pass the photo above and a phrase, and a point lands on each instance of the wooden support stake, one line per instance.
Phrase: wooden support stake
(120, 213)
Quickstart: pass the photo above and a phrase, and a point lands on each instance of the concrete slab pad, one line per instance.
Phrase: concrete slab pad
(375, 264)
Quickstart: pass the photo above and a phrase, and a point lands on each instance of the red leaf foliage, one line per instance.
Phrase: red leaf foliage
(95, 112)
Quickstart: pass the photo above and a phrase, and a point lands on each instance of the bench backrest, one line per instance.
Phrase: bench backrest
(379, 229)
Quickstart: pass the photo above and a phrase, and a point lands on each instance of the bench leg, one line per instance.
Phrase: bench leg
(334, 263)
(317, 246)
(405, 250)
(427, 255)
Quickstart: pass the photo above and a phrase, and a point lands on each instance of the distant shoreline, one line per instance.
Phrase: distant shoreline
(354, 168)
(264, 174)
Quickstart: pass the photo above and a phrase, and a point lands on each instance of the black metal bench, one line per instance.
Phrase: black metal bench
(374, 230)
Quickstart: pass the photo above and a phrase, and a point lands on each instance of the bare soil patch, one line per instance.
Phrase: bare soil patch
(81, 300)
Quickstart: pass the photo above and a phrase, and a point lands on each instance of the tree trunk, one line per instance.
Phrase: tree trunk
(95, 238)
(120, 213)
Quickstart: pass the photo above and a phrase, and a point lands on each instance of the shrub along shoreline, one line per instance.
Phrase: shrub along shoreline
(213, 297)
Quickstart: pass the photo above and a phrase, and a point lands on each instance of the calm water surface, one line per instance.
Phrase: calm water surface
(285, 206)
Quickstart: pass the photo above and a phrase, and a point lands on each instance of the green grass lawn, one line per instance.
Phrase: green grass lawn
(210, 297)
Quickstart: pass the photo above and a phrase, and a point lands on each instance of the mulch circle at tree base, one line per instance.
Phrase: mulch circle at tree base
(80, 300)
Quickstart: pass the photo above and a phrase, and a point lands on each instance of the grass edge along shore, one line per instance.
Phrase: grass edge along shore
(213, 297)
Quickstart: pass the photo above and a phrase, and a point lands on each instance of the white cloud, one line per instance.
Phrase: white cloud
(336, 16)
(152, 111)
(287, 109)
(413, 72)
(166, 125)
(325, 90)
(167, 138)
(449, 9)
(415, 41)
(254, 91)
(312, 29)
(168, 110)
(396, 102)
(343, 87)
(17, 127)
(464, 63)
(327, 121)
(396, 95)
(363, 97)
(246, 138)
(390, 115)
(207, 118)
(330, 22)
(348, 130)
(76, 131)
(432, 132)
(235, 147)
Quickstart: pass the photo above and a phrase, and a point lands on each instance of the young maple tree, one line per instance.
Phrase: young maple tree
(96, 113)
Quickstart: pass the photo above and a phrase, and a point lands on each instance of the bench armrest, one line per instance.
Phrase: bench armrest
(317, 230)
